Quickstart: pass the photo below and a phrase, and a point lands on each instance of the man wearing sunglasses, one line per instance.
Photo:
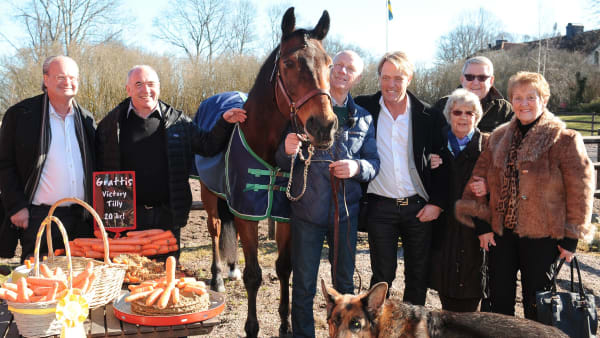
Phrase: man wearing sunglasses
(46, 154)
(478, 78)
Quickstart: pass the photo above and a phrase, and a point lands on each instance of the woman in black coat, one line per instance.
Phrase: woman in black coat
(456, 256)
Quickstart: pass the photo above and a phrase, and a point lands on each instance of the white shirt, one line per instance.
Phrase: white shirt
(63, 174)
(393, 180)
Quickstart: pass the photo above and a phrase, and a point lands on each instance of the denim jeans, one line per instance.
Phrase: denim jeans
(307, 243)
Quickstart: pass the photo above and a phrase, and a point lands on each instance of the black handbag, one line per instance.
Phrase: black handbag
(572, 312)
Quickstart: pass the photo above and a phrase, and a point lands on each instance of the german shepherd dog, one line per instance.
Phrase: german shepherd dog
(371, 315)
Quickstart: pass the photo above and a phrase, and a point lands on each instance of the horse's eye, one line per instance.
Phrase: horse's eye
(288, 63)
(355, 325)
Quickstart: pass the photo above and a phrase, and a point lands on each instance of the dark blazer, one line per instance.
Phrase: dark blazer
(20, 152)
(456, 258)
(425, 142)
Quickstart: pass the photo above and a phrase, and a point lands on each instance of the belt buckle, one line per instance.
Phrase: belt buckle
(402, 201)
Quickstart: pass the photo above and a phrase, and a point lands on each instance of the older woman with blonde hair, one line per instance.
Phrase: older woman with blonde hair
(456, 257)
(541, 188)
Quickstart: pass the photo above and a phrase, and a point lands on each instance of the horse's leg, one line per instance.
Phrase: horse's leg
(283, 266)
(228, 244)
(213, 222)
(248, 231)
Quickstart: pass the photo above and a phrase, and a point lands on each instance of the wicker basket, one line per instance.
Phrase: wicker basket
(109, 276)
(39, 319)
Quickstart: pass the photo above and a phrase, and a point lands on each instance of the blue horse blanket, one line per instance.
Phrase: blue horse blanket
(254, 190)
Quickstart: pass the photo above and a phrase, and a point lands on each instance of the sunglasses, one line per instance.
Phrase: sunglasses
(460, 112)
(471, 77)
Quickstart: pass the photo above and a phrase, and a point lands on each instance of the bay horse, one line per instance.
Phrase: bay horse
(291, 86)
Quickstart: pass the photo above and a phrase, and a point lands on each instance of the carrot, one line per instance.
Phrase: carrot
(125, 247)
(150, 246)
(173, 247)
(154, 296)
(10, 286)
(197, 290)
(22, 295)
(134, 279)
(41, 290)
(78, 253)
(8, 295)
(149, 252)
(175, 296)
(163, 235)
(40, 281)
(163, 249)
(87, 241)
(35, 299)
(59, 252)
(143, 233)
(45, 270)
(170, 265)
(93, 254)
(165, 241)
(81, 277)
(166, 295)
(131, 241)
(138, 296)
(53, 291)
(142, 289)
(97, 234)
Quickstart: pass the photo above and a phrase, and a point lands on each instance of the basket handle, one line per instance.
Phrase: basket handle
(96, 217)
(46, 225)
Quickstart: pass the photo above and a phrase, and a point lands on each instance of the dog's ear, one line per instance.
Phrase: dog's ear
(373, 300)
(330, 295)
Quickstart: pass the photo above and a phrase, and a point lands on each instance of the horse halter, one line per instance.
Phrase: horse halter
(280, 88)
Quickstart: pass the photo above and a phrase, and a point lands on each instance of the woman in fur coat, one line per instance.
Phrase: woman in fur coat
(541, 188)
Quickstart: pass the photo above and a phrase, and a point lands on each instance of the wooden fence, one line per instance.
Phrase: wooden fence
(593, 126)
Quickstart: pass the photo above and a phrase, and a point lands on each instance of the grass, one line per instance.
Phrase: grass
(581, 122)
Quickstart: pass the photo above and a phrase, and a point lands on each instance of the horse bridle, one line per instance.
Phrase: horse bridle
(280, 88)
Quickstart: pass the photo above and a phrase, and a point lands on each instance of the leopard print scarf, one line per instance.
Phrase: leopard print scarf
(509, 199)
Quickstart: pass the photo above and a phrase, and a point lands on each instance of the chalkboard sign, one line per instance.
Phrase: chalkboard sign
(114, 199)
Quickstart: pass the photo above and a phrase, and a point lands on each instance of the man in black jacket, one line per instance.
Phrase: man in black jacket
(478, 78)
(406, 195)
(46, 154)
(157, 142)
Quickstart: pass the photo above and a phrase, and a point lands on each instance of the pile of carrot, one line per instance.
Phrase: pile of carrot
(50, 286)
(165, 291)
(145, 243)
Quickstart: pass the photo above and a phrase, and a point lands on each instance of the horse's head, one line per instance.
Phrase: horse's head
(302, 71)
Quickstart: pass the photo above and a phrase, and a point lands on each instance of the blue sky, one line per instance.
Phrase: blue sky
(415, 28)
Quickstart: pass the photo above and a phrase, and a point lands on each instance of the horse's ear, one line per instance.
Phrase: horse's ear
(322, 28)
(288, 23)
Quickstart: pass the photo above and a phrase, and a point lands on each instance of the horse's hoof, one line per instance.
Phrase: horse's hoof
(251, 329)
(285, 331)
(217, 285)
(235, 274)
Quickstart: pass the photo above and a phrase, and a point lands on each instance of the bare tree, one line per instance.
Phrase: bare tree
(242, 27)
(474, 31)
(198, 27)
(64, 23)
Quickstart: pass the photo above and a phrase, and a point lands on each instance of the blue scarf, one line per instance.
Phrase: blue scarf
(456, 144)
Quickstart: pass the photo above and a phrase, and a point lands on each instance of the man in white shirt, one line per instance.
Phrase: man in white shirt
(46, 154)
(406, 195)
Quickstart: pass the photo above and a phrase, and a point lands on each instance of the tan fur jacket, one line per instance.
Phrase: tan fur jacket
(556, 182)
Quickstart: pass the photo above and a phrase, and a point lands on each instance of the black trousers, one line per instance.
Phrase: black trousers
(158, 217)
(389, 220)
(533, 257)
(459, 304)
(75, 219)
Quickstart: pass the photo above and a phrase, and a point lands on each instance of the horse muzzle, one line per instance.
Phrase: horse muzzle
(321, 133)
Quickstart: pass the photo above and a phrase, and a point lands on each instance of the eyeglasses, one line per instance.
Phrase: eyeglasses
(481, 78)
(460, 112)
(63, 78)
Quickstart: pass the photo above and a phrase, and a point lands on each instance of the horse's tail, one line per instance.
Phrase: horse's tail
(228, 243)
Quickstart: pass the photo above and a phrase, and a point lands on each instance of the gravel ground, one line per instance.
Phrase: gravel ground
(196, 258)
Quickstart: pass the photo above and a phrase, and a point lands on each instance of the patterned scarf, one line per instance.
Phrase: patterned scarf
(509, 199)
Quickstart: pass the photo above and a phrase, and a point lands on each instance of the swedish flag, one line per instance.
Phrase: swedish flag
(389, 6)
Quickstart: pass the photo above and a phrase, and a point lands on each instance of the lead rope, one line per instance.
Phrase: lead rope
(288, 191)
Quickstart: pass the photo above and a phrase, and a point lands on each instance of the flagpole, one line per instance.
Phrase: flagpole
(387, 22)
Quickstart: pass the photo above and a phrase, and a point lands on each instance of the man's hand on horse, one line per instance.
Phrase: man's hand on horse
(235, 115)
(344, 168)
(429, 213)
(293, 142)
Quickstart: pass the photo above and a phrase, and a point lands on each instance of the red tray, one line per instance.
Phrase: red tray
(123, 312)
